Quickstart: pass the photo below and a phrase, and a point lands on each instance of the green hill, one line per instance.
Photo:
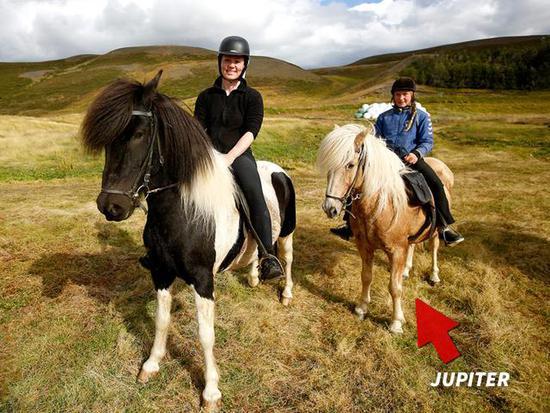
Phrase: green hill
(498, 63)
(68, 85)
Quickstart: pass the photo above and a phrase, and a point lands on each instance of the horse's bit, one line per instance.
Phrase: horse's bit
(137, 189)
(347, 199)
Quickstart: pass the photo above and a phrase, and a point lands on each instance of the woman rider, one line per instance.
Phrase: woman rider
(231, 113)
(408, 133)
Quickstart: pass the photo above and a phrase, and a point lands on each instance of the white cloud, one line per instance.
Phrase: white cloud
(300, 31)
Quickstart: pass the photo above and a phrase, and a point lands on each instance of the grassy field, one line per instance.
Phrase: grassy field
(77, 311)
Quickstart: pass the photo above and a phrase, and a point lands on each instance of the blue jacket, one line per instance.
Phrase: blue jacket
(391, 124)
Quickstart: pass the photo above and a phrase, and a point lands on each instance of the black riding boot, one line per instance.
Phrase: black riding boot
(270, 268)
(343, 231)
(450, 236)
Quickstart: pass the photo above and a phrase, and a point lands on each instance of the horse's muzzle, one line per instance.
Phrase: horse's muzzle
(114, 207)
(332, 207)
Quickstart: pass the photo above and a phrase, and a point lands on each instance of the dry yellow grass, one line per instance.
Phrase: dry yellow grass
(77, 310)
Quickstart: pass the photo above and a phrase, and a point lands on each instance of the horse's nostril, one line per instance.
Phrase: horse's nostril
(333, 212)
(114, 209)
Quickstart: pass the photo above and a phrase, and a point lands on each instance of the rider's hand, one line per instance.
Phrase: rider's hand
(411, 159)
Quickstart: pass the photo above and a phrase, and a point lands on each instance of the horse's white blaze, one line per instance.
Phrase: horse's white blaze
(162, 322)
(205, 316)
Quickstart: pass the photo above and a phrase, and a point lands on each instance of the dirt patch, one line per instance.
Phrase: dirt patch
(35, 76)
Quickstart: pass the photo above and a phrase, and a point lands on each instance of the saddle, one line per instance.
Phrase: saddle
(419, 194)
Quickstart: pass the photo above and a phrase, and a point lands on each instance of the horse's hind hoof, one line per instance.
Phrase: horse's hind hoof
(211, 407)
(285, 301)
(145, 376)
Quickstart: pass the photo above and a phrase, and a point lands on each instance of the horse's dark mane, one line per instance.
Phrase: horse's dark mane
(109, 114)
(186, 147)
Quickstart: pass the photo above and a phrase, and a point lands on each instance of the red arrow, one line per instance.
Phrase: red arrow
(433, 327)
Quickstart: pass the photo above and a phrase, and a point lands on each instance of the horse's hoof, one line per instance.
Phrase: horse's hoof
(144, 376)
(396, 327)
(434, 279)
(405, 275)
(360, 313)
(253, 281)
(285, 301)
(211, 407)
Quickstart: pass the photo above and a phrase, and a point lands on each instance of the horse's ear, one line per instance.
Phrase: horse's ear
(359, 139)
(150, 88)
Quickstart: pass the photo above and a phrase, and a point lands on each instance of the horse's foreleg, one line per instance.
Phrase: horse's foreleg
(397, 258)
(205, 314)
(286, 253)
(366, 280)
(409, 263)
(162, 322)
(434, 244)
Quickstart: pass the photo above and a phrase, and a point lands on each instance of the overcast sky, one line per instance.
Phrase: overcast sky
(305, 32)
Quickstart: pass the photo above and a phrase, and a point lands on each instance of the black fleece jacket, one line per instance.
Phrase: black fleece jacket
(227, 118)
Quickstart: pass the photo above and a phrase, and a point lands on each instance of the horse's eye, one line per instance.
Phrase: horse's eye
(138, 135)
(350, 165)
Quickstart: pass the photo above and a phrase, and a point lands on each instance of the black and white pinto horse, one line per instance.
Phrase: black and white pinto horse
(154, 150)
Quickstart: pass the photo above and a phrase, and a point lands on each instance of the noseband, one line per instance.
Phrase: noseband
(347, 199)
(142, 186)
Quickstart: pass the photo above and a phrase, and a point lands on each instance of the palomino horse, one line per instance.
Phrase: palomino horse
(155, 151)
(360, 165)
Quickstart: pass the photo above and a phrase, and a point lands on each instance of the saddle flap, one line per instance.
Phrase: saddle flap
(418, 191)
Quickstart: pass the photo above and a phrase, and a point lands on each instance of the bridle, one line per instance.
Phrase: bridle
(141, 186)
(352, 194)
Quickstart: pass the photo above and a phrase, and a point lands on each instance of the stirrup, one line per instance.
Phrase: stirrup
(275, 273)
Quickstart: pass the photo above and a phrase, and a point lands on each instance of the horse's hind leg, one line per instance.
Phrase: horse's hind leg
(397, 259)
(253, 279)
(409, 263)
(211, 395)
(434, 244)
(162, 322)
(366, 280)
(286, 252)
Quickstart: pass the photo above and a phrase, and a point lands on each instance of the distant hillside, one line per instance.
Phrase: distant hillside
(70, 84)
(499, 63)
(496, 42)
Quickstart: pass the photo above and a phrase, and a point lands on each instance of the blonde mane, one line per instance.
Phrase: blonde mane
(382, 178)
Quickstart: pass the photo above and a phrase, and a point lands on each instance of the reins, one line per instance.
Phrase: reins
(138, 189)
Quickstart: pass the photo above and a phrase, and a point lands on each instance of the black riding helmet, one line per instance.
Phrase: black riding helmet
(403, 84)
(234, 46)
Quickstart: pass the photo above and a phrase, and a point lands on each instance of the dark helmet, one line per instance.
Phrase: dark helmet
(403, 84)
(234, 46)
